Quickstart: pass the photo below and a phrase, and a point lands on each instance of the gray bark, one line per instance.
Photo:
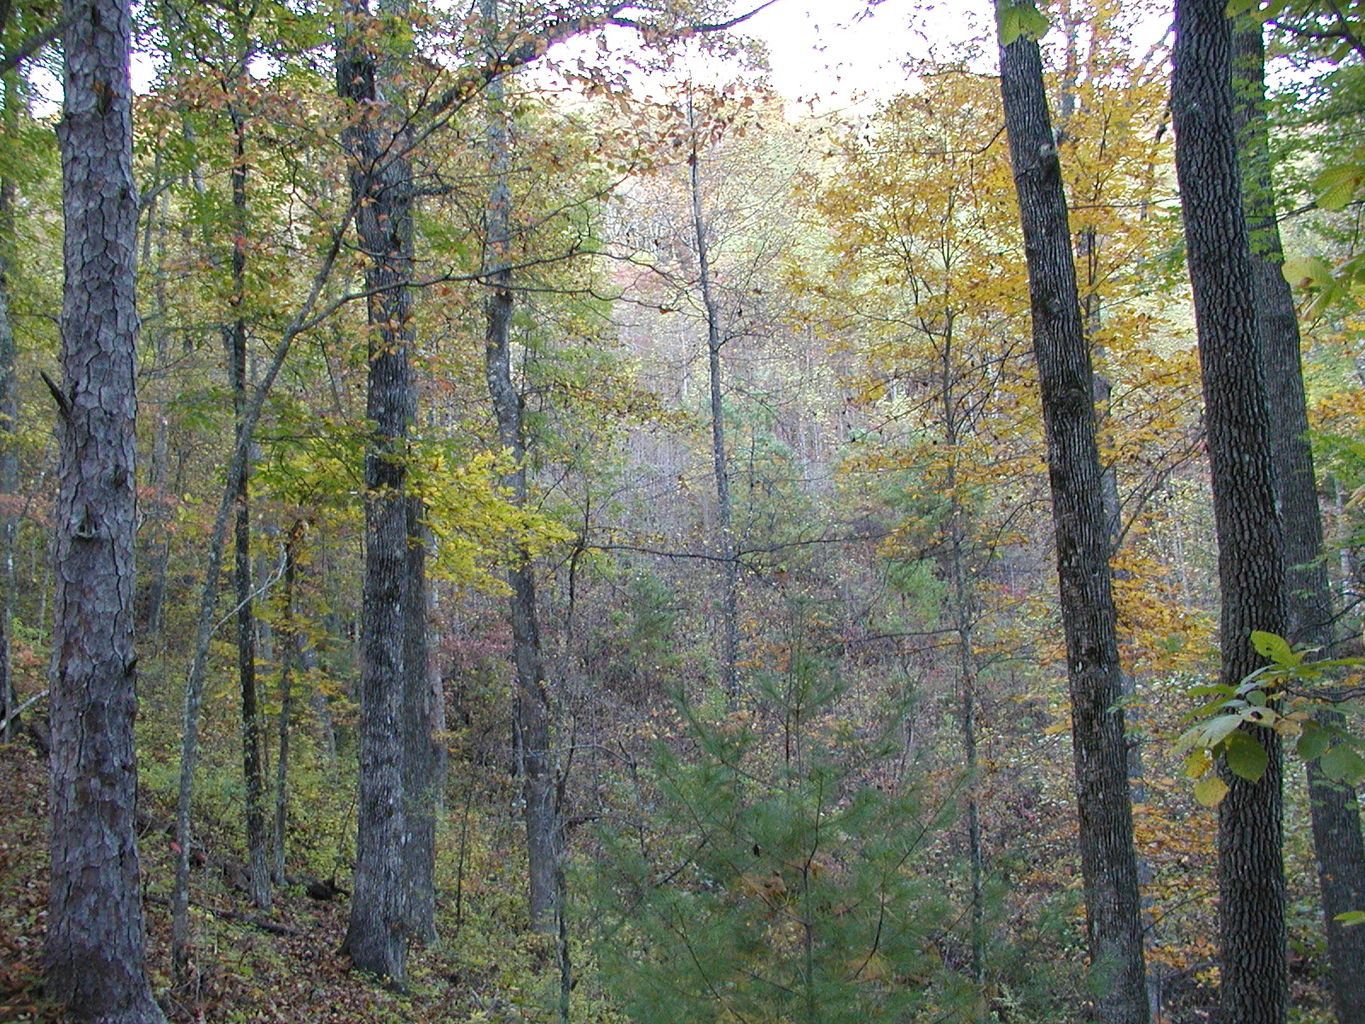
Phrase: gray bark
(393, 898)
(1251, 882)
(715, 341)
(962, 602)
(1335, 812)
(532, 723)
(1066, 379)
(95, 952)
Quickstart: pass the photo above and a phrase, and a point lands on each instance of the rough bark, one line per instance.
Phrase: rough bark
(1335, 812)
(393, 879)
(532, 724)
(423, 761)
(1108, 861)
(96, 950)
(1251, 881)
(715, 341)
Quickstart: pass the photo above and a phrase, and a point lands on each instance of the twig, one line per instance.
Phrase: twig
(13, 716)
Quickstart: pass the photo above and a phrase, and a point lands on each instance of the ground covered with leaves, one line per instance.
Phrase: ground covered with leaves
(283, 966)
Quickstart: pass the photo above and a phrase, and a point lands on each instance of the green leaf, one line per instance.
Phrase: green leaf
(1351, 917)
(1246, 758)
(1307, 271)
(1313, 742)
(1342, 764)
(1009, 25)
(1212, 732)
(1020, 18)
(1198, 764)
(1210, 790)
(1274, 647)
(1338, 185)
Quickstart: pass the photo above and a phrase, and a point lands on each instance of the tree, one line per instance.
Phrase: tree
(532, 722)
(1254, 978)
(395, 846)
(770, 882)
(1108, 860)
(95, 949)
(715, 342)
(1335, 812)
(9, 414)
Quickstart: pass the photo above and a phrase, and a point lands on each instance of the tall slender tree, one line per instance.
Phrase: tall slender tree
(1066, 379)
(235, 345)
(96, 949)
(532, 721)
(9, 417)
(1335, 812)
(1251, 884)
(715, 343)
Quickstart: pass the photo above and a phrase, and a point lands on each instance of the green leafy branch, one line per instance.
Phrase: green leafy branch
(1019, 18)
(1273, 697)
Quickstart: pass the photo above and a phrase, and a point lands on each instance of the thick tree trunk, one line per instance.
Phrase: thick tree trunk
(1335, 813)
(1108, 860)
(533, 732)
(424, 760)
(393, 897)
(96, 950)
(715, 341)
(1250, 547)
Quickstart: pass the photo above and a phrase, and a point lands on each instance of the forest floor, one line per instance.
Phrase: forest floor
(280, 966)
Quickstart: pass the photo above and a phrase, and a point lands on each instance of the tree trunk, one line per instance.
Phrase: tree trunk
(393, 878)
(1108, 861)
(9, 457)
(1335, 813)
(257, 842)
(96, 950)
(533, 733)
(289, 657)
(424, 760)
(729, 652)
(1250, 548)
(963, 609)
(208, 600)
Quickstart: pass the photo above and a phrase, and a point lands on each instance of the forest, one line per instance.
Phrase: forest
(507, 516)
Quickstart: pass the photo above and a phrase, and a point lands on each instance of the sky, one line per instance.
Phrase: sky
(839, 49)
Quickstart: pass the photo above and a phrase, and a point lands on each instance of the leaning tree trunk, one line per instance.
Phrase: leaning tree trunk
(535, 756)
(1108, 859)
(1335, 812)
(1251, 880)
(96, 950)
